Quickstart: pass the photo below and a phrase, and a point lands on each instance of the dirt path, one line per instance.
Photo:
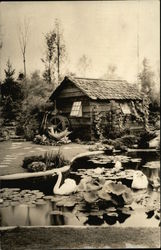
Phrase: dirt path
(13, 153)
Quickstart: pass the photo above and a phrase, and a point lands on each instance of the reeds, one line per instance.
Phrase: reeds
(51, 159)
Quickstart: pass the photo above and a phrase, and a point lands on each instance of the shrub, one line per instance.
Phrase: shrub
(117, 144)
(29, 159)
(129, 140)
(34, 104)
(44, 162)
(145, 138)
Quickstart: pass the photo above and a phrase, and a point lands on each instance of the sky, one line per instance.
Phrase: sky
(105, 31)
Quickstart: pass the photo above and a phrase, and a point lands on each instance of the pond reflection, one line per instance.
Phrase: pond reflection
(25, 215)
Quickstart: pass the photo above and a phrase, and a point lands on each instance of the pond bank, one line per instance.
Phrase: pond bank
(13, 153)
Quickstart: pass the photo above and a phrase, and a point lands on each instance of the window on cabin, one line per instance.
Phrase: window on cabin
(125, 108)
(76, 109)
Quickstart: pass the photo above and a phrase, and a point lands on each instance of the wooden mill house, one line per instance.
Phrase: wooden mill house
(82, 103)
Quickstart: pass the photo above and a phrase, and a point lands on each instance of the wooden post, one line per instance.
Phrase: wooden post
(91, 121)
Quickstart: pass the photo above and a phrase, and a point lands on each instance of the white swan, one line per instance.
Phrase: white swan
(67, 188)
(140, 180)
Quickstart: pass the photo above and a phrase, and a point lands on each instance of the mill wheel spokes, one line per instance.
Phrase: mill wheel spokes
(59, 123)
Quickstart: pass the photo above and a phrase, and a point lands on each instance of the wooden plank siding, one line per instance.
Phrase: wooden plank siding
(102, 106)
(64, 101)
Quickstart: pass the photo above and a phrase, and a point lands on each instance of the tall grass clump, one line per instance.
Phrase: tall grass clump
(48, 161)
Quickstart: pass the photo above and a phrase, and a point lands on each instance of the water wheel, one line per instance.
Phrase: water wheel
(59, 122)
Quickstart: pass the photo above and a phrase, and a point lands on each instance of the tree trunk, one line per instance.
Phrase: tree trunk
(24, 64)
(58, 62)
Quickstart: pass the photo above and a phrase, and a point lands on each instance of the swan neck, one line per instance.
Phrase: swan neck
(57, 185)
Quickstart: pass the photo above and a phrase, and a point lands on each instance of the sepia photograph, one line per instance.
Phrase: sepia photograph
(79, 124)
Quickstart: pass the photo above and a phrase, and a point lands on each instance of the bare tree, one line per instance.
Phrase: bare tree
(23, 32)
(60, 48)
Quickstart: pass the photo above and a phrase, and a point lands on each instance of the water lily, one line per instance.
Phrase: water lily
(128, 197)
(114, 188)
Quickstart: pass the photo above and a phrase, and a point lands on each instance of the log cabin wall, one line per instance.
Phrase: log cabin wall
(64, 101)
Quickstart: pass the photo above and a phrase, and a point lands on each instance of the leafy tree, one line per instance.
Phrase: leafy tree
(10, 88)
(146, 77)
(55, 54)
(37, 93)
(12, 95)
(50, 39)
(149, 84)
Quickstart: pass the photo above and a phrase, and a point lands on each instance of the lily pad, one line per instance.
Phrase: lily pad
(104, 195)
(111, 209)
(48, 197)
(15, 189)
(100, 181)
(114, 188)
(87, 184)
(126, 210)
(68, 202)
(56, 212)
(113, 214)
(40, 202)
(89, 172)
(128, 197)
(98, 161)
(152, 165)
(136, 160)
(56, 198)
(35, 191)
(15, 198)
(90, 197)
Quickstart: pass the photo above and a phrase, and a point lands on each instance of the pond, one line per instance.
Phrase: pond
(123, 206)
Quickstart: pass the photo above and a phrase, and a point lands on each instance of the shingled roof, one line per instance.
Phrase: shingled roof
(98, 89)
